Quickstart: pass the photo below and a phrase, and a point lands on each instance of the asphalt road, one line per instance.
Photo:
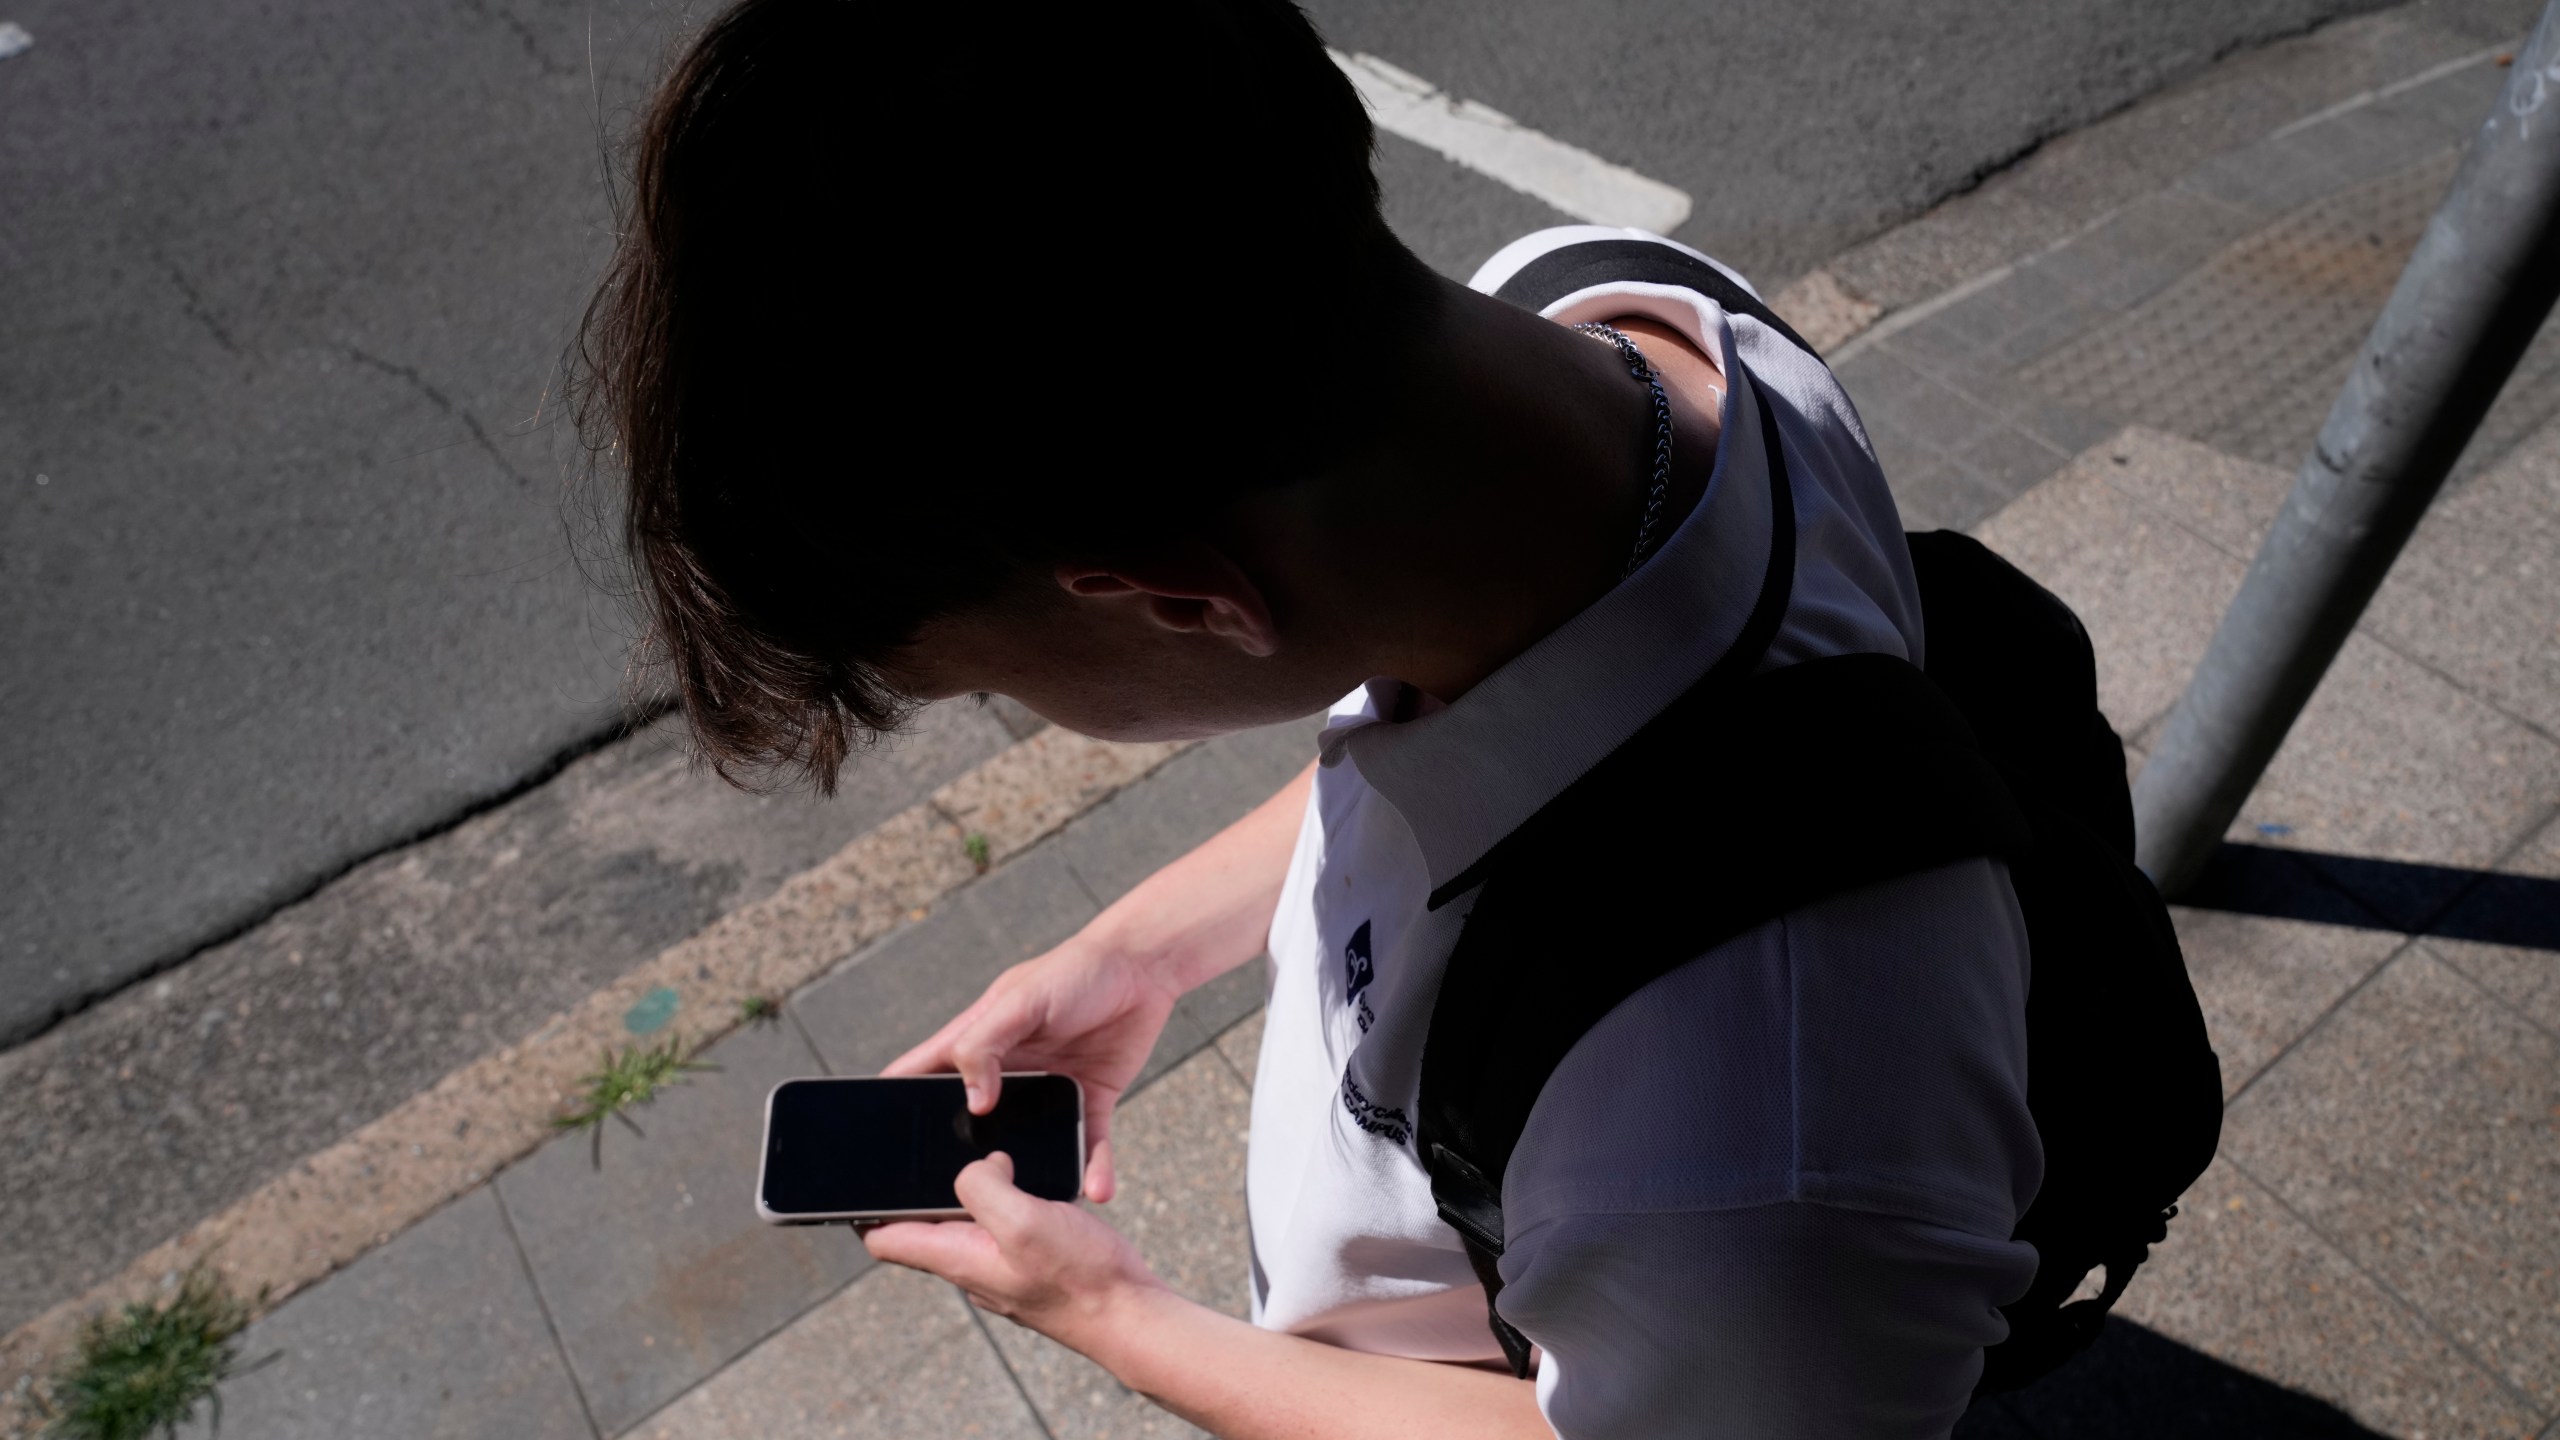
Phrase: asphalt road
(284, 572)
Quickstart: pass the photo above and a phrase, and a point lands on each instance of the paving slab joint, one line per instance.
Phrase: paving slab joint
(2496, 1374)
(542, 1303)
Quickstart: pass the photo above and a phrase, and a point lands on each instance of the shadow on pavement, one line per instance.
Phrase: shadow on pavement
(2458, 904)
(2136, 1384)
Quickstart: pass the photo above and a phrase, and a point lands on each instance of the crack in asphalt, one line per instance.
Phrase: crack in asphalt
(443, 402)
(196, 307)
(523, 33)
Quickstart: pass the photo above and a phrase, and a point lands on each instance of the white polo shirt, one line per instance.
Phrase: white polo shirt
(1771, 1194)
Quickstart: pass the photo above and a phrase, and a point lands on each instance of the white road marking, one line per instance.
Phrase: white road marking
(1484, 139)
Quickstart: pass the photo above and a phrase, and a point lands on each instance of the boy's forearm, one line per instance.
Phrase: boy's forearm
(1242, 1383)
(1210, 911)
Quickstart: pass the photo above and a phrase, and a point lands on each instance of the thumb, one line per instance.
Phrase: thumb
(987, 1191)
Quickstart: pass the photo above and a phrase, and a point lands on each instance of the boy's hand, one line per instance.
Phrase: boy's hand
(1046, 1264)
(1085, 1009)
(1092, 1008)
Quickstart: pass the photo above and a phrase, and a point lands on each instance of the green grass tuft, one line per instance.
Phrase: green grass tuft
(633, 1077)
(980, 853)
(759, 1010)
(143, 1370)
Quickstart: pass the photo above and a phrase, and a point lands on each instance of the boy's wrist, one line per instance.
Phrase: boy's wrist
(1130, 1331)
(1160, 953)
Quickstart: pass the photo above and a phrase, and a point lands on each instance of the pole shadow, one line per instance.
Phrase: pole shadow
(2371, 894)
(2137, 1384)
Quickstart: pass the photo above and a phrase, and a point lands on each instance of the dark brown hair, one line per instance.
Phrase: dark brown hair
(836, 207)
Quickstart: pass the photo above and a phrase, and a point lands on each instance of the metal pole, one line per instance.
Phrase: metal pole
(2479, 285)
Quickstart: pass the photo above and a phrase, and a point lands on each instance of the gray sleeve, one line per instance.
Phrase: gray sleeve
(1770, 1322)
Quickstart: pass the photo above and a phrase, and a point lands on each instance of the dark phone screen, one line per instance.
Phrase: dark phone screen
(833, 1146)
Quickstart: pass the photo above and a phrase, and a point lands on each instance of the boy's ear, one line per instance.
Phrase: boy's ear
(1186, 586)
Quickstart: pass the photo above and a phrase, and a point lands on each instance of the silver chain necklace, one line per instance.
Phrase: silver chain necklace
(1660, 491)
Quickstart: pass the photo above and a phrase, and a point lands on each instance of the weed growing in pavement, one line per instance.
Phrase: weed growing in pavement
(980, 854)
(633, 1077)
(759, 1010)
(142, 1371)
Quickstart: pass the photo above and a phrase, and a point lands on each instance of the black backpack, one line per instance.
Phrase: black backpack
(1999, 749)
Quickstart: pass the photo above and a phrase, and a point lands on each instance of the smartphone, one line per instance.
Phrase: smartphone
(891, 1148)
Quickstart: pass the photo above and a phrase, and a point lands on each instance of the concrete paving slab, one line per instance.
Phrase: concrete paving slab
(1032, 903)
(2008, 462)
(2382, 138)
(901, 989)
(1242, 1047)
(1182, 1146)
(1921, 484)
(435, 1336)
(1980, 328)
(2271, 176)
(2246, 351)
(228, 1070)
(894, 1356)
(2244, 1279)
(1181, 1155)
(2419, 1130)
(2137, 250)
(2451, 106)
(1951, 495)
(1957, 441)
(1207, 1013)
(2149, 591)
(2067, 428)
(655, 1268)
(2264, 983)
(2226, 500)
(2050, 314)
(2527, 403)
(2392, 761)
(1891, 390)
(1165, 816)
(2529, 980)
(1911, 418)
(1962, 335)
(1999, 223)
(1019, 720)
(2476, 594)
(1984, 378)
(1272, 755)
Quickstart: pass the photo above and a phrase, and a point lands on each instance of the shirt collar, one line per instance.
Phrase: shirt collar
(1465, 776)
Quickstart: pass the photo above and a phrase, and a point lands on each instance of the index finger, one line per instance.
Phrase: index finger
(935, 1054)
(976, 1044)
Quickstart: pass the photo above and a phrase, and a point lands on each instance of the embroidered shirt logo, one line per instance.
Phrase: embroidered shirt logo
(1357, 972)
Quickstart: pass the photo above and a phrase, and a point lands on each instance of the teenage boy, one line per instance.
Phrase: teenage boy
(1064, 355)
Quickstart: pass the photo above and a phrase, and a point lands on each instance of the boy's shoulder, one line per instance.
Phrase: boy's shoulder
(1785, 1065)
